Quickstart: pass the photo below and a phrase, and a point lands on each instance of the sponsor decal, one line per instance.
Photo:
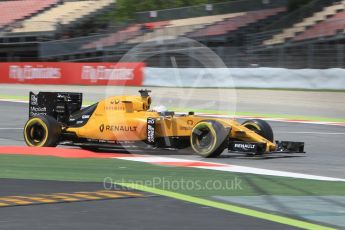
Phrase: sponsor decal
(186, 128)
(33, 99)
(109, 141)
(33, 114)
(38, 109)
(35, 111)
(101, 128)
(121, 128)
(60, 108)
(90, 73)
(28, 72)
(151, 121)
(189, 125)
(101, 72)
(245, 146)
(116, 101)
(117, 128)
(151, 130)
(114, 107)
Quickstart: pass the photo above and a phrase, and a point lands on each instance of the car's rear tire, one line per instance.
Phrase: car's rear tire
(42, 131)
(208, 138)
(260, 127)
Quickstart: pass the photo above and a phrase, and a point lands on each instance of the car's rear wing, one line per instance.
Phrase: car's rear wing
(56, 104)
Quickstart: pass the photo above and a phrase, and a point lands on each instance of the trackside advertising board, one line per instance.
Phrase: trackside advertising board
(104, 73)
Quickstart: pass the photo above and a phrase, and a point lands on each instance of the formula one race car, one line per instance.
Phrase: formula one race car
(127, 122)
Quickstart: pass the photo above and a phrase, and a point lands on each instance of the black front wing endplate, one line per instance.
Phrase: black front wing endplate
(289, 147)
(259, 148)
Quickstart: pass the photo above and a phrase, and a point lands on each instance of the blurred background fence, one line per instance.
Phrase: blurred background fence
(325, 52)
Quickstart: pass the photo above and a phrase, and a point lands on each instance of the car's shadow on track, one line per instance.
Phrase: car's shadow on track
(257, 157)
(186, 152)
(142, 151)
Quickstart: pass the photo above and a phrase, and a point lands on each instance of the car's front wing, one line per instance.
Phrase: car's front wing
(259, 148)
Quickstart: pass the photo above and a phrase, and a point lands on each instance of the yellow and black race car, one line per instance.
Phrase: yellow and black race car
(127, 121)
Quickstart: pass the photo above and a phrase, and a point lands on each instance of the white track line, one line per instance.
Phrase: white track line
(320, 133)
(11, 128)
(159, 160)
(268, 172)
(14, 100)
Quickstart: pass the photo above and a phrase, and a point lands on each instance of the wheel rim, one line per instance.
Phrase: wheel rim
(35, 133)
(203, 139)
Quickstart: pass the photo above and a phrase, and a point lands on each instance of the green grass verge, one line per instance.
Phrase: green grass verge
(188, 181)
(14, 97)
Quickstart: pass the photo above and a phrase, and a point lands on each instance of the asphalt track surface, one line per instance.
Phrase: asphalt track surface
(325, 151)
(153, 212)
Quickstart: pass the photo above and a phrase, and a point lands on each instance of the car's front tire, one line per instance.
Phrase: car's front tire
(260, 127)
(42, 131)
(208, 138)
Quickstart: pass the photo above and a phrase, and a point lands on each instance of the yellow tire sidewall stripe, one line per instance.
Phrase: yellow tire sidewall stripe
(30, 122)
(214, 134)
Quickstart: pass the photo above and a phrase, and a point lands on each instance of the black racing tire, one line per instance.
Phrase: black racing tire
(209, 138)
(42, 131)
(260, 127)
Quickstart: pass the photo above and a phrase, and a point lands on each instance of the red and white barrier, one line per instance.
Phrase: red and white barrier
(72, 73)
(136, 74)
